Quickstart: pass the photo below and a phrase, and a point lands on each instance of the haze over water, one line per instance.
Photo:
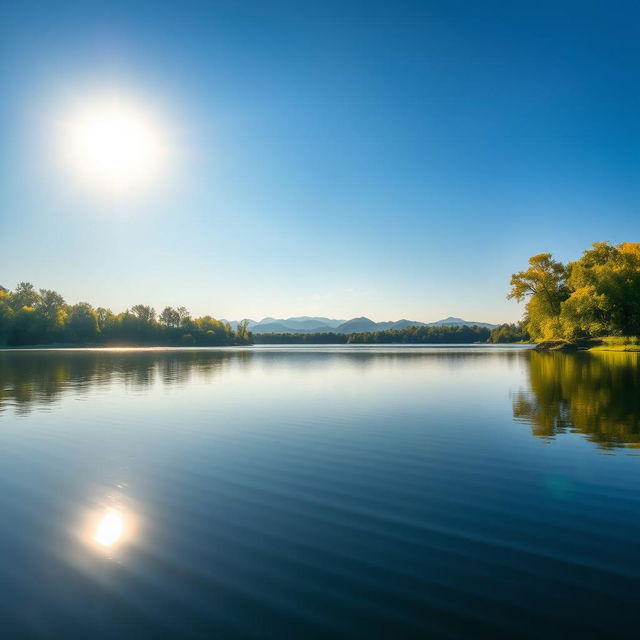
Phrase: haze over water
(310, 492)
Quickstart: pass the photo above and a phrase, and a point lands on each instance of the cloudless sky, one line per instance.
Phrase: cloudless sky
(388, 159)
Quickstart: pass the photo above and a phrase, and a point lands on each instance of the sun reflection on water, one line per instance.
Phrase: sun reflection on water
(110, 528)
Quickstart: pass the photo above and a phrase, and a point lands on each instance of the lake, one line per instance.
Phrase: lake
(309, 492)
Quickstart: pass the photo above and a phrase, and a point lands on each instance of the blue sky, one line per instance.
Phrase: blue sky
(384, 159)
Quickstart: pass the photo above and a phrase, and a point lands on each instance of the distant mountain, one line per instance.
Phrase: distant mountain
(285, 327)
(357, 325)
(401, 324)
(362, 324)
(300, 324)
(308, 322)
(459, 322)
(270, 327)
(319, 324)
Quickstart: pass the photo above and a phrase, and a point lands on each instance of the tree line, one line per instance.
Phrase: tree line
(509, 333)
(30, 316)
(597, 295)
(441, 334)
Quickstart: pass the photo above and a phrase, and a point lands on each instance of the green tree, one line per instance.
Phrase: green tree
(5, 315)
(509, 333)
(49, 303)
(605, 298)
(169, 317)
(544, 286)
(29, 317)
(51, 307)
(183, 316)
(243, 330)
(24, 295)
(145, 314)
(597, 295)
(26, 327)
(82, 323)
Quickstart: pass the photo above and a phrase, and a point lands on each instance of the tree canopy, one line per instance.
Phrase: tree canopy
(508, 333)
(597, 295)
(31, 317)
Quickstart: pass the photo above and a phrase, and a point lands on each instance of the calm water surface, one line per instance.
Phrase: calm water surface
(320, 492)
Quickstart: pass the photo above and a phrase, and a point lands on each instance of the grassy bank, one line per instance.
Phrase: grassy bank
(617, 343)
(606, 343)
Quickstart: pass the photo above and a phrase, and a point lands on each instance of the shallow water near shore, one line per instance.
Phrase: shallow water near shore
(279, 492)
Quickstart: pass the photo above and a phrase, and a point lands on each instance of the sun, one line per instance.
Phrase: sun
(113, 145)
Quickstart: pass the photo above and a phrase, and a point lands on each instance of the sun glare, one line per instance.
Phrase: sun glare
(113, 146)
(110, 528)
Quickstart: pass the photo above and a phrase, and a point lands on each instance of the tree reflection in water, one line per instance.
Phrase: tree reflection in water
(36, 379)
(595, 394)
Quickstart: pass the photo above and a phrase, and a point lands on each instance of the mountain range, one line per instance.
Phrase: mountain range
(317, 324)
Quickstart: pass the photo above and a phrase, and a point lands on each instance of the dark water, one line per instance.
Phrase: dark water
(328, 492)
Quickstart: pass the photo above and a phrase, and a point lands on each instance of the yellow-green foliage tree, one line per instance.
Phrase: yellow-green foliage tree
(597, 295)
(544, 285)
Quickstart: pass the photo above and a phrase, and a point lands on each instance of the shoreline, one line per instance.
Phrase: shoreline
(71, 347)
(595, 345)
